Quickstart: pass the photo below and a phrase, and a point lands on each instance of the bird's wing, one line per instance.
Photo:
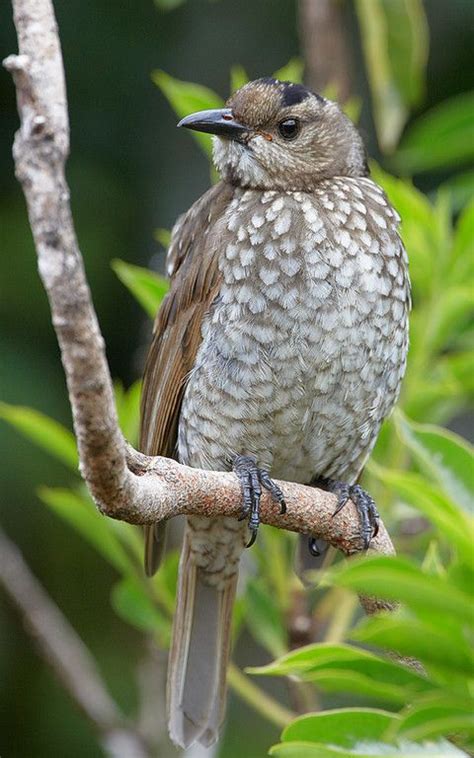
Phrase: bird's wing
(193, 266)
(195, 279)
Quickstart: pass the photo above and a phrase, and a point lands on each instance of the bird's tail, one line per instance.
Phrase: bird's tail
(199, 654)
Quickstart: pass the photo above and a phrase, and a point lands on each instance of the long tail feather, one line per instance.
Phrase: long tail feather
(199, 654)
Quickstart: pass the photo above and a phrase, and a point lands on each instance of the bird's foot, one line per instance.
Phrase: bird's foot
(252, 479)
(366, 508)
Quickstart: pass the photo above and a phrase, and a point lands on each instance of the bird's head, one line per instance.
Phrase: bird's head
(280, 135)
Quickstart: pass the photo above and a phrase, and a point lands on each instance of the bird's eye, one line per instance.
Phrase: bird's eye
(289, 128)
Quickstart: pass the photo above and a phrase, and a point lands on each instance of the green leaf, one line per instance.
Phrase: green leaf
(128, 410)
(291, 72)
(462, 257)
(443, 646)
(133, 604)
(396, 578)
(164, 581)
(405, 749)
(418, 227)
(454, 525)
(186, 98)
(163, 236)
(342, 668)
(147, 287)
(343, 727)
(408, 42)
(454, 312)
(436, 715)
(390, 112)
(449, 131)
(264, 618)
(238, 77)
(48, 434)
(79, 512)
(460, 187)
(444, 456)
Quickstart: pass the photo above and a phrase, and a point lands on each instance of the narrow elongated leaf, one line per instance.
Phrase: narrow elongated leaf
(444, 455)
(462, 256)
(408, 42)
(264, 618)
(390, 112)
(448, 130)
(45, 432)
(343, 727)
(80, 513)
(147, 287)
(186, 98)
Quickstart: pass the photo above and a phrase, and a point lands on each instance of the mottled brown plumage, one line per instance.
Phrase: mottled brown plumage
(283, 339)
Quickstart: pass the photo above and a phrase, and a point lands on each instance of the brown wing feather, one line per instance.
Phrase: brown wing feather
(195, 280)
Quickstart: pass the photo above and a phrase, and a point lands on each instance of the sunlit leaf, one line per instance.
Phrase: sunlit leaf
(44, 431)
(146, 286)
(186, 98)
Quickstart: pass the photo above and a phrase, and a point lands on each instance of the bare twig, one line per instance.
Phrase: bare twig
(66, 654)
(125, 484)
(326, 46)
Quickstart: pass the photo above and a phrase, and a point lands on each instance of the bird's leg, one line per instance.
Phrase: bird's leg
(365, 505)
(252, 479)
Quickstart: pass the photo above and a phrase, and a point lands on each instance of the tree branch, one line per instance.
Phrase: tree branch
(66, 654)
(124, 483)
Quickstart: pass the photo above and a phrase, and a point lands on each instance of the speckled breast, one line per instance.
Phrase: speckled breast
(304, 349)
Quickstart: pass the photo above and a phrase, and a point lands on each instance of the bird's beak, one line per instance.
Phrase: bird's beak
(220, 122)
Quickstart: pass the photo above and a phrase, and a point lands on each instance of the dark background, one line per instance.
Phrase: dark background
(130, 171)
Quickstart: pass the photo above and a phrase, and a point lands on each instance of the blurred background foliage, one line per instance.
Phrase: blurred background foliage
(131, 173)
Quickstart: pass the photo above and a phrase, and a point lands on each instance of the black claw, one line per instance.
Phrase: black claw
(253, 537)
(365, 505)
(252, 479)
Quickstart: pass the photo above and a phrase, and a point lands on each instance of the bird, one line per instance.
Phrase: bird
(277, 353)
